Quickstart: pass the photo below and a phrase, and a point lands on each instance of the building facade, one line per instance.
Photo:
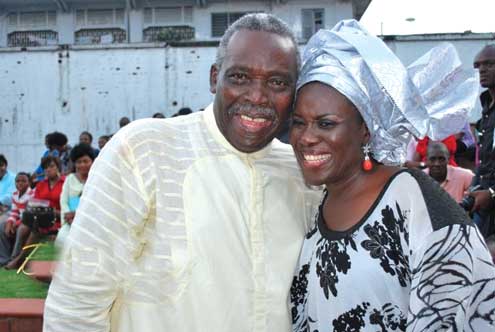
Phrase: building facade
(75, 65)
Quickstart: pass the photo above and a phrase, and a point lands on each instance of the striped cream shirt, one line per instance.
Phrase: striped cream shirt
(178, 231)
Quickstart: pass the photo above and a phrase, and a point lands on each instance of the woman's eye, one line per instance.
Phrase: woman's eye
(296, 122)
(325, 123)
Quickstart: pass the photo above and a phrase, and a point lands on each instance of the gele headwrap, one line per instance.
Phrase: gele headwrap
(432, 97)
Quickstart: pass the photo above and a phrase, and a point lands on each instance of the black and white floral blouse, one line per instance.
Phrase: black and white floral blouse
(413, 263)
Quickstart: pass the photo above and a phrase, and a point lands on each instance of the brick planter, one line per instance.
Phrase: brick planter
(21, 315)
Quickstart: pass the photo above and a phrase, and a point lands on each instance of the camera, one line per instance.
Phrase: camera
(467, 202)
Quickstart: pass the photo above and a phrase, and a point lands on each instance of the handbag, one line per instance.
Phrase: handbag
(38, 214)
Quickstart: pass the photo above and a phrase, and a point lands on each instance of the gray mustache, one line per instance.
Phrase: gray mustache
(251, 110)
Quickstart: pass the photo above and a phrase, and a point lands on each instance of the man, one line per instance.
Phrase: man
(454, 180)
(124, 121)
(485, 174)
(7, 188)
(194, 223)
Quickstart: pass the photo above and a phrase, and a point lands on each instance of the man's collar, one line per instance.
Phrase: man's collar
(486, 99)
(211, 124)
(449, 173)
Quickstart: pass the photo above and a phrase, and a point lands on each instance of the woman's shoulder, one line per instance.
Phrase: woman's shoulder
(442, 209)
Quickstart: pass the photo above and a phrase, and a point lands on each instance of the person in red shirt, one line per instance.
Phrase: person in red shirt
(48, 190)
(11, 236)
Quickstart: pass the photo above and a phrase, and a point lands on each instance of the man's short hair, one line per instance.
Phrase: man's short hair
(3, 160)
(437, 146)
(57, 139)
(87, 133)
(256, 22)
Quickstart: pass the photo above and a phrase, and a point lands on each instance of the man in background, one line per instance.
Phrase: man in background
(454, 180)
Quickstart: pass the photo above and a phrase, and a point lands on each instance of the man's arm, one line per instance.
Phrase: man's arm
(99, 247)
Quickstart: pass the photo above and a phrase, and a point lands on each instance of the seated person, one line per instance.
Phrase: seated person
(82, 155)
(47, 190)
(86, 138)
(454, 180)
(57, 147)
(102, 141)
(419, 157)
(7, 188)
(10, 232)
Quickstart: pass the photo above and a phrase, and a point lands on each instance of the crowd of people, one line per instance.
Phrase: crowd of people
(206, 222)
(52, 190)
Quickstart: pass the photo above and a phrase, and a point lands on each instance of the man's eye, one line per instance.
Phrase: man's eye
(238, 77)
(278, 83)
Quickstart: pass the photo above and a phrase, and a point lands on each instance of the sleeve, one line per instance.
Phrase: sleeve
(452, 282)
(64, 198)
(98, 251)
(6, 199)
(14, 213)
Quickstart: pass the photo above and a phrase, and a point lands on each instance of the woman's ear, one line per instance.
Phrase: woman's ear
(366, 133)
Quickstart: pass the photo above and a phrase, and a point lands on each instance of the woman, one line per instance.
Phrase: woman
(390, 251)
(11, 235)
(82, 155)
(48, 191)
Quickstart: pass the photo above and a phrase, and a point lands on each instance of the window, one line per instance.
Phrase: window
(100, 18)
(167, 16)
(167, 34)
(163, 24)
(221, 21)
(36, 28)
(312, 21)
(100, 36)
(32, 38)
(100, 26)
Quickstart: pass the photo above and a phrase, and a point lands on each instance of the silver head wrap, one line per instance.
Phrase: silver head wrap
(433, 97)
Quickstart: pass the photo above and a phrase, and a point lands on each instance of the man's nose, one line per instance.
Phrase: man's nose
(257, 93)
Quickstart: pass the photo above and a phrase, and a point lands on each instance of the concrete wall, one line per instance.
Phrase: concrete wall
(91, 89)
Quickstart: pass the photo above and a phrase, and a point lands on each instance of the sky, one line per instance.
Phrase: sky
(403, 17)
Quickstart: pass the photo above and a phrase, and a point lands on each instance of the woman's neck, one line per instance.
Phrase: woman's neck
(348, 185)
(53, 180)
(81, 177)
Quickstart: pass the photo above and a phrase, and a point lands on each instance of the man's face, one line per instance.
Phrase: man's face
(437, 161)
(3, 169)
(84, 139)
(254, 88)
(485, 63)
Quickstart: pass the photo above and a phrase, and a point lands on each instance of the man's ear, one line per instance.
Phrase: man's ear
(213, 78)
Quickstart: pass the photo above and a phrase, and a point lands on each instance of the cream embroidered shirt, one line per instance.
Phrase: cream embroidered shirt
(179, 231)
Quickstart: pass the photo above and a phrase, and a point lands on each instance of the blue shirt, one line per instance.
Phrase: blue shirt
(7, 188)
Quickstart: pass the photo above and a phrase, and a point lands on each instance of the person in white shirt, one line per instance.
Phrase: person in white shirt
(194, 223)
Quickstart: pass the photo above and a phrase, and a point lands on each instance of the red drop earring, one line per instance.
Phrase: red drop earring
(367, 164)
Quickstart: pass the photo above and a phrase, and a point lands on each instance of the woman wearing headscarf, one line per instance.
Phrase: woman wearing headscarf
(390, 250)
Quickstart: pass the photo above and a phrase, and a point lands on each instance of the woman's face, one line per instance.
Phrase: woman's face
(52, 171)
(327, 133)
(83, 164)
(21, 183)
